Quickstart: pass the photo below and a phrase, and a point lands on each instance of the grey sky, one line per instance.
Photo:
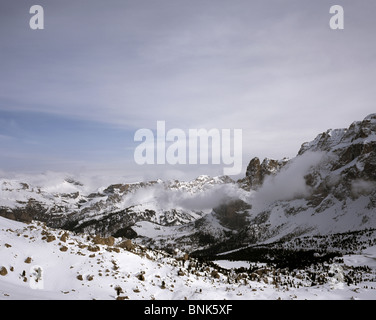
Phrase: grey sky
(272, 68)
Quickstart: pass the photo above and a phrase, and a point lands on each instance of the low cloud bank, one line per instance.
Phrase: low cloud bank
(289, 183)
(361, 187)
(206, 199)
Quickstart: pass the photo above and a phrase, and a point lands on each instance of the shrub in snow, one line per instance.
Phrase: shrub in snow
(119, 290)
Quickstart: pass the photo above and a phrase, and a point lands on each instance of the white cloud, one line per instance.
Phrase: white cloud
(362, 187)
(207, 199)
(289, 183)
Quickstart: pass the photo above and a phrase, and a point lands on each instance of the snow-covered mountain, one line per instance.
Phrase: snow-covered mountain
(328, 188)
(110, 210)
(317, 208)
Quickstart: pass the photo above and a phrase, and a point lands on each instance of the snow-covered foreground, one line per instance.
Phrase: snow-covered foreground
(37, 262)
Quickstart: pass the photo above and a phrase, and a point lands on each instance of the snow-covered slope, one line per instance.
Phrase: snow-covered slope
(37, 262)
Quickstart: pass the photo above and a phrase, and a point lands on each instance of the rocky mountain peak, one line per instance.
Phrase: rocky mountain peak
(371, 117)
(359, 132)
(257, 171)
(352, 150)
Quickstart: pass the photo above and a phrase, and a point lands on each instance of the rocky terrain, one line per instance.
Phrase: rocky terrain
(39, 262)
(313, 209)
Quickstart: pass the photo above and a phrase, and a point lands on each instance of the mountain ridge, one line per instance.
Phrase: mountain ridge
(329, 187)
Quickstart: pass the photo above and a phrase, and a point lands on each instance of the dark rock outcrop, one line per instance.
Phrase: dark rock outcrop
(257, 172)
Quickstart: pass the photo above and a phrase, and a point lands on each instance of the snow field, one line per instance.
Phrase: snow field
(84, 270)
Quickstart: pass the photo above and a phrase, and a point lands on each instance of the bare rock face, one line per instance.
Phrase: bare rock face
(254, 173)
(257, 171)
(351, 165)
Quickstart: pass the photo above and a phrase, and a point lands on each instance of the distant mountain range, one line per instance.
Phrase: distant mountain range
(328, 188)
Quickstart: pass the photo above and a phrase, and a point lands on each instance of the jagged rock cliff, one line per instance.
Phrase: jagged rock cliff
(329, 187)
(257, 172)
